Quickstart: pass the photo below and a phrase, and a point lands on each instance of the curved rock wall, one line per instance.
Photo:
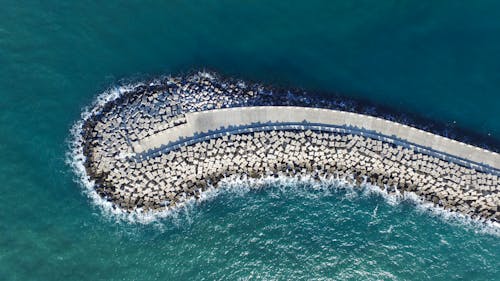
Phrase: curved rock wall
(165, 180)
(159, 144)
(204, 122)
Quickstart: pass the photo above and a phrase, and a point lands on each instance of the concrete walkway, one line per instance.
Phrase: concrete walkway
(213, 121)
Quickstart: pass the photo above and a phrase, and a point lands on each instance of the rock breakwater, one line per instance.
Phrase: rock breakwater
(137, 151)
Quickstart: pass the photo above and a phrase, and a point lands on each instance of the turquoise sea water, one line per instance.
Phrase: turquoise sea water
(436, 59)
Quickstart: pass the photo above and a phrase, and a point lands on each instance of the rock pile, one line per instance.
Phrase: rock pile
(164, 180)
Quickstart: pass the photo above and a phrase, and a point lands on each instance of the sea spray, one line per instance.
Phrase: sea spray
(241, 185)
(77, 160)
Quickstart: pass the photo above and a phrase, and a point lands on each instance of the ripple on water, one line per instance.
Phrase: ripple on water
(291, 229)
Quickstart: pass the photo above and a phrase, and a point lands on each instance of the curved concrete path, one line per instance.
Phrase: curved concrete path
(205, 122)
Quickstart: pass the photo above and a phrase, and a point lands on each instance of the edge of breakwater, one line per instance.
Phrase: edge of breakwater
(106, 104)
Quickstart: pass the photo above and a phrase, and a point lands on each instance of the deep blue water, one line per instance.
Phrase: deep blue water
(435, 59)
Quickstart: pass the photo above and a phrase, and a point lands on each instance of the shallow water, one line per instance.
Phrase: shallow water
(438, 60)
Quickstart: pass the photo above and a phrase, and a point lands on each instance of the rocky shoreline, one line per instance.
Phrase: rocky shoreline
(163, 180)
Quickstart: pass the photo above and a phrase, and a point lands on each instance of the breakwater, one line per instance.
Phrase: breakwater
(157, 145)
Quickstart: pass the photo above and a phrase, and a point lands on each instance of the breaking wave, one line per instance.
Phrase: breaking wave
(238, 186)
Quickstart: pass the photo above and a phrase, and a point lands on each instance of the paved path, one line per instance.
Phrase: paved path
(204, 122)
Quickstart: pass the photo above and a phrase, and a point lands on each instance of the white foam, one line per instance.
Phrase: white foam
(206, 75)
(239, 185)
(243, 185)
(76, 159)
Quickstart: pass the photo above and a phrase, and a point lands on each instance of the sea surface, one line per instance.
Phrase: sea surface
(436, 59)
